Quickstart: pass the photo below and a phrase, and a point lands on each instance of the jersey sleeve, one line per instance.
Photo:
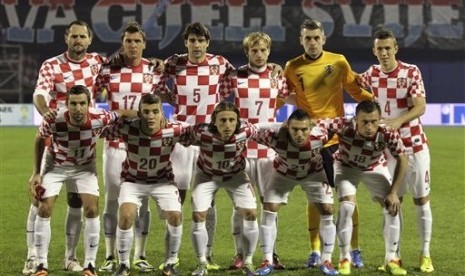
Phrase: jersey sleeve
(395, 144)
(352, 87)
(45, 80)
(417, 88)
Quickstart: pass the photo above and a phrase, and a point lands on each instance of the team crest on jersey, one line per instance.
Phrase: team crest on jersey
(214, 69)
(94, 69)
(274, 83)
(167, 141)
(329, 69)
(148, 78)
(379, 145)
(402, 83)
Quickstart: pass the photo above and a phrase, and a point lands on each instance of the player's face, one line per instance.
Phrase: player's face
(258, 54)
(299, 130)
(367, 123)
(385, 51)
(78, 41)
(78, 107)
(133, 46)
(225, 123)
(312, 41)
(151, 116)
(196, 47)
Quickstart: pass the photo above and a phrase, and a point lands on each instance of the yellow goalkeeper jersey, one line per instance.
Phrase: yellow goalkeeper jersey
(319, 85)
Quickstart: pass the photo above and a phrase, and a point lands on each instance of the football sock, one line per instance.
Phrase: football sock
(124, 243)
(236, 229)
(73, 226)
(268, 234)
(354, 239)
(328, 235)
(425, 224)
(344, 226)
(42, 239)
(142, 226)
(199, 237)
(174, 242)
(31, 221)
(313, 223)
(91, 240)
(211, 228)
(391, 231)
(250, 239)
(110, 224)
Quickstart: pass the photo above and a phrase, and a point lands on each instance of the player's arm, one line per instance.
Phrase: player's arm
(126, 113)
(35, 179)
(392, 200)
(419, 108)
(354, 89)
(40, 104)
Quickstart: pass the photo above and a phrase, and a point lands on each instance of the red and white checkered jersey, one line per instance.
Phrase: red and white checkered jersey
(75, 145)
(148, 156)
(219, 159)
(359, 152)
(196, 86)
(291, 160)
(126, 86)
(58, 74)
(255, 93)
(394, 91)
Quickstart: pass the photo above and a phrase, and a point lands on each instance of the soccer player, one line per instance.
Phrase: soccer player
(125, 86)
(361, 158)
(298, 162)
(56, 76)
(255, 92)
(318, 79)
(74, 132)
(399, 89)
(196, 77)
(147, 172)
(221, 164)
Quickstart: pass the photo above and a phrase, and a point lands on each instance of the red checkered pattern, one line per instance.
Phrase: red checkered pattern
(58, 74)
(148, 156)
(394, 91)
(255, 94)
(75, 145)
(360, 152)
(293, 161)
(126, 86)
(196, 86)
(218, 159)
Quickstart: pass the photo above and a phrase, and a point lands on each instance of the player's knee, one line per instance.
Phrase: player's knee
(44, 210)
(421, 200)
(250, 214)
(91, 211)
(74, 200)
(199, 216)
(326, 209)
(174, 218)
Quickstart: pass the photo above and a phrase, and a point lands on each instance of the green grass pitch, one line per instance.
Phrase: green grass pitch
(447, 201)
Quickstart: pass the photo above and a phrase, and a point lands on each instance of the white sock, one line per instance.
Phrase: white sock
(142, 226)
(42, 233)
(268, 234)
(344, 226)
(391, 233)
(210, 224)
(328, 236)
(251, 239)
(91, 240)
(175, 236)
(110, 224)
(124, 239)
(30, 224)
(73, 226)
(425, 225)
(199, 237)
(236, 229)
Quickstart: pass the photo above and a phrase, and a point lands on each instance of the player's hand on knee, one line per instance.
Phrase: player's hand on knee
(392, 204)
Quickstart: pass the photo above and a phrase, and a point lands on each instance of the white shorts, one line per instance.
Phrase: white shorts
(378, 181)
(46, 166)
(315, 186)
(83, 177)
(183, 161)
(238, 188)
(166, 195)
(259, 170)
(113, 159)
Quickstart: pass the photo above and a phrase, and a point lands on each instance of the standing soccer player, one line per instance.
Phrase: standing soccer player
(74, 132)
(196, 77)
(221, 164)
(125, 86)
(298, 162)
(361, 158)
(399, 89)
(147, 172)
(318, 79)
(255, 93)
(56, 76)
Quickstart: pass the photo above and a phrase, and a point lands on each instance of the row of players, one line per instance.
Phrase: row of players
(198, 79)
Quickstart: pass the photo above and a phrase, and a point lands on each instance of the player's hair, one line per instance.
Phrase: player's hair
(133, 27)
(149, 99)
(79, 23)
(224, 106)
(78, 90)
(384, 33)
(299, 114)
(312, 24)
(254, 38)
(197, 29)
(367, 107)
